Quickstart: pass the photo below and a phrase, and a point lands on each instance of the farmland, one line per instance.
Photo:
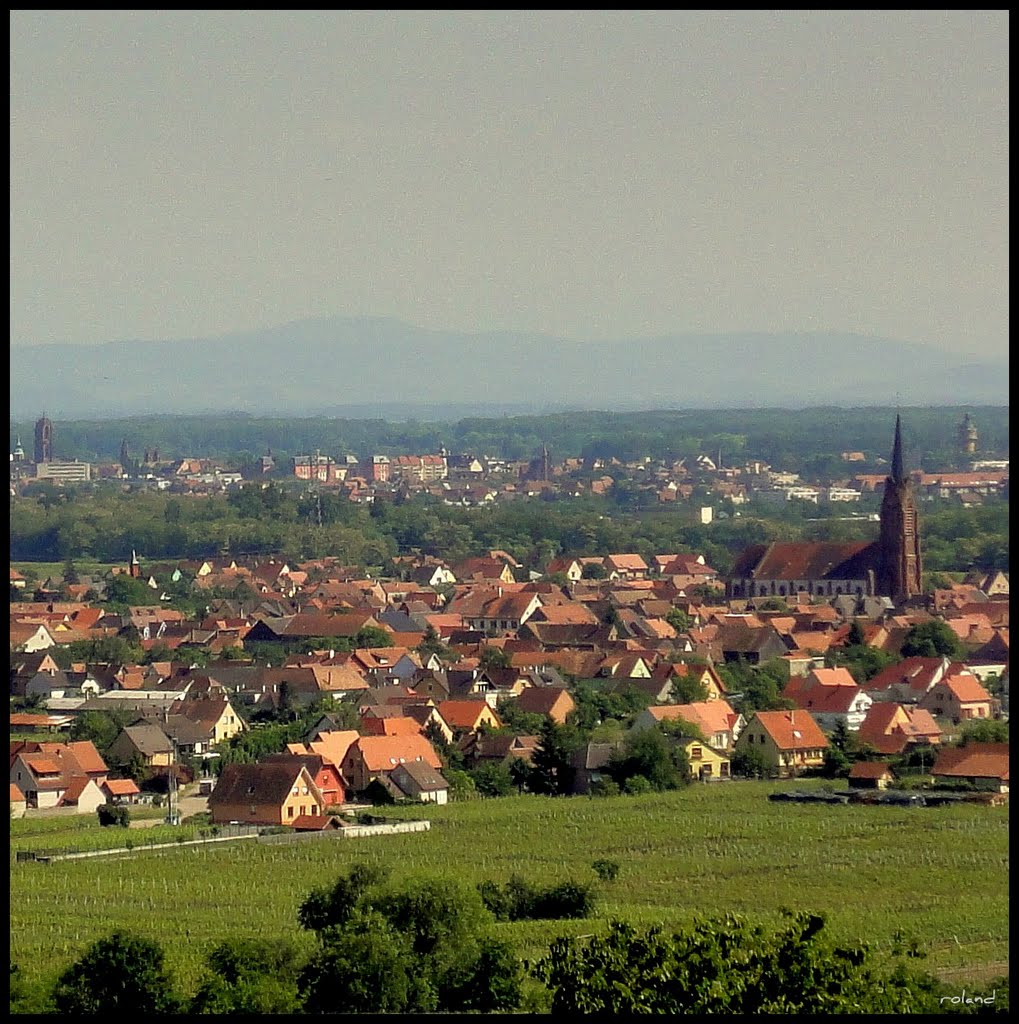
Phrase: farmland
(939, 875)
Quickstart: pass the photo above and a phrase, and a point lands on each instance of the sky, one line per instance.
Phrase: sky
(582, 174)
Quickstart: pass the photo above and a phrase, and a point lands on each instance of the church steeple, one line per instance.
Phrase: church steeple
(898, 474)
(899, 568)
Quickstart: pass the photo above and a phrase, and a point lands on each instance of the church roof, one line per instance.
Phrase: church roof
(792, 560)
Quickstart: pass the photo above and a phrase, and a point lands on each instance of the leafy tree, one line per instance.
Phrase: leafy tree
(606, 870)
(688, 690)
(372, 636)
(679, 620)
(520, 773)
(649, 754)
(114, 814)
(552, 770)
(750, 763)
(726, 966)
(930, 640)
(100, 728)
(122, 975)
(249, 976)
(494, 657)
(493, 778)
(988, 730)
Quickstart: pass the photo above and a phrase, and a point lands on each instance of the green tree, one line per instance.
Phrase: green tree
(552, 771)
(493, 778)
(726, 966)
(122, 975)
(494, 657)
(250, 976)
(649, 754)
(371, 637)
(688, 690)
(931, 640)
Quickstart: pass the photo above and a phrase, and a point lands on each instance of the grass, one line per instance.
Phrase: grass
(936, 874)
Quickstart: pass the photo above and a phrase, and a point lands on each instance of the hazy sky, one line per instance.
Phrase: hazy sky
(587, 174)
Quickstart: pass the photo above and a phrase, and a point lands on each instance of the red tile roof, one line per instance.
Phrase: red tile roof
(792, 730)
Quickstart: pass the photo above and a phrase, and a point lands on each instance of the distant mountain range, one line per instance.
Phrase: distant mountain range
(365, 368)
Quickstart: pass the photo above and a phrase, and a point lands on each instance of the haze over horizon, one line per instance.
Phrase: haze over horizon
(584, 175)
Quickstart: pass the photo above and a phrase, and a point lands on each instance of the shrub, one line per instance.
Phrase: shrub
(606, 870)
(113, 814)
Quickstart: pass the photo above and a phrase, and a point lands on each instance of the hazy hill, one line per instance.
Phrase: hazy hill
(378, 367)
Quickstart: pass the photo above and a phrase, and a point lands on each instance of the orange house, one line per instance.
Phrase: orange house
(270, 793)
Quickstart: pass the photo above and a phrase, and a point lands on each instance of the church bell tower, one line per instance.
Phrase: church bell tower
(900, 567)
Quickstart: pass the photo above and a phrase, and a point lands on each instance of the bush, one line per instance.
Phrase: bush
(113, 814)
(606, 870)
(518, 900)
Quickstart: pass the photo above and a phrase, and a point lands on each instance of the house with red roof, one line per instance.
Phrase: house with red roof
(716, 720)
(870, 775)
(892, 728)
(983, 764)
(369, 757)
(832, 696)
(789, 741)
(464, 716)
(959, 697)
(325, 773)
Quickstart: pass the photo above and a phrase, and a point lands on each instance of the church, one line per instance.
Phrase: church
(888, 567)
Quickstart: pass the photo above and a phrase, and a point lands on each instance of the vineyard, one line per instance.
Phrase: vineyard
(939, 875)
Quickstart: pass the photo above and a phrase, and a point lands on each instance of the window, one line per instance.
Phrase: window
(304, 790)
(696, 752)
(290, 812)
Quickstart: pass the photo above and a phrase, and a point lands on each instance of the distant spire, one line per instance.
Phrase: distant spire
(898, 474)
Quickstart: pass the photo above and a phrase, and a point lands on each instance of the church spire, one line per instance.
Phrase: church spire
(898, 473)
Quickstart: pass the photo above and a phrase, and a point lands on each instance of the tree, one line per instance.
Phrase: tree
(249, 976)
(552, 770)
(494, 657)
(726, 966)
(931, 640)
(680, 620)
(650, 755)
(750, 764)
(372, 636)
(122, 976)
(114, 814)
(493, 778)
(688, 690)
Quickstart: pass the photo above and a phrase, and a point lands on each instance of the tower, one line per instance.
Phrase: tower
(899, 566)
(968, 436)
(43, 440)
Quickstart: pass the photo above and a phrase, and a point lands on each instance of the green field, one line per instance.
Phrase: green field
(939, 875)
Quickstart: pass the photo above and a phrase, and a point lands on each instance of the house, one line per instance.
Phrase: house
(958, 698)
(706, 761)
(323, 771)
(908, 680)
(832, 696)
(419, 781)
(589, 763)
(18, 802)
(789, 741)
(893, 728)
(45, 771)
(870, 775)
(626, 567)
(568, 567)
(144, 740)
(552, 701)
(82, 794)
(121, 791)
(717, 722)
(266, 793)
(985, 765)
(482, 747)
(464, 716)
(370, 757)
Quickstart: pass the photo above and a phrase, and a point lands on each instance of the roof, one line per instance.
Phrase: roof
(973, 761)
(792, 560)
(121, 787)
(383, 753)
(542, 699)
(966, 688)
(464, 714)
(869, 770)
(149, 738)
(710, 716)
(791, 730)
(268, 782)
(424, 777)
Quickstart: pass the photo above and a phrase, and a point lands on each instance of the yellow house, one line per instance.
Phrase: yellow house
(705, 761)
